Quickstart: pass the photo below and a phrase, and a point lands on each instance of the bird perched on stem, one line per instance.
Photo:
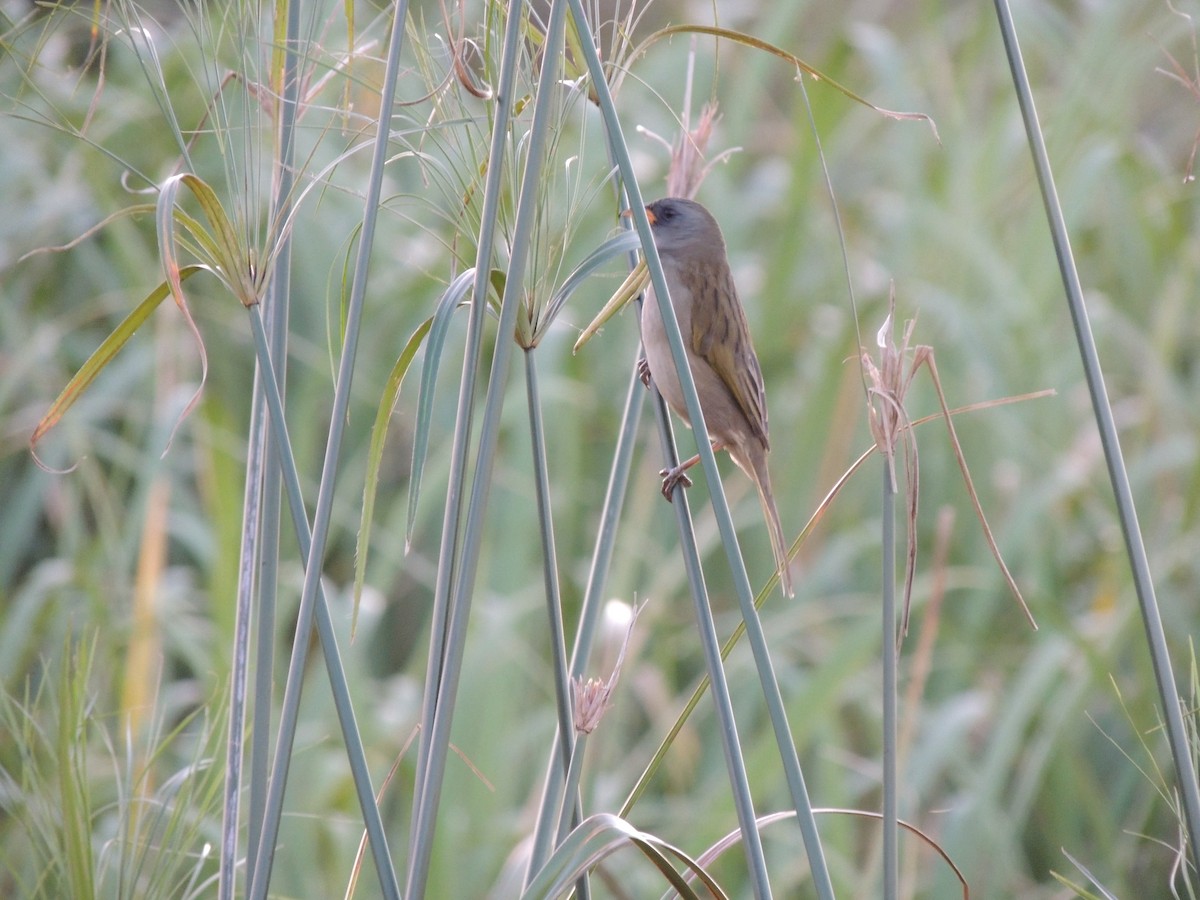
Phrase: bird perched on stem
(716, 336)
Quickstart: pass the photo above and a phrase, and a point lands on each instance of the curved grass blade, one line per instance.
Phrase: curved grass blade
(439, 326)
(621, 243)
(600, 836)
(1104, 892)
(223, 251)
(733, 837)
(101, 357)
(631, 287)
(230, 257)
(754, 43)
(391, 394)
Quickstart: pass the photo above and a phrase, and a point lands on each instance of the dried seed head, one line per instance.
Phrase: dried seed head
(590, 699)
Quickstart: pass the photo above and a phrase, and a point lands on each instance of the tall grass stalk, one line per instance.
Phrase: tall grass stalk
(727, 726)
(1135, 546)
(558, 648)
(337, 676)
(448, 554)
(252, 546)
(565, 733)
(891, 815)
(430, 775)
(261, 511)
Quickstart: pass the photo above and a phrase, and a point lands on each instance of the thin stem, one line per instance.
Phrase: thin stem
(593, 603)
(248, 552)
(1102, 410)
(730, 744)
(278, 308)
(570, 748)
(891, 823)
(558, 649)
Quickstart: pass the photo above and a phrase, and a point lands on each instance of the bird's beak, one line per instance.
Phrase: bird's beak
(649, 215)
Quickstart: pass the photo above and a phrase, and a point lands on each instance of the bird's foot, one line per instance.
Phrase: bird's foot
(673, 477)
(643, 370)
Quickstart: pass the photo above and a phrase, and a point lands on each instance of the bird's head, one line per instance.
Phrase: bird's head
(684, 226)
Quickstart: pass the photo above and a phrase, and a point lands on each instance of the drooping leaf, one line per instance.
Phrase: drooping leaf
(749, 40)
(218, 247)
(103, 355)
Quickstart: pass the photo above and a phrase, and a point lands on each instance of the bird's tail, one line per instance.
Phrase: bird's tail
(762, 479)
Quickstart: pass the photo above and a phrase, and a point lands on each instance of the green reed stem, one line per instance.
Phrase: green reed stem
(558, 648)
(338, 684)
(1102, 410)
(891, 815)
(311, 601)
(593, 605)
(754, 630)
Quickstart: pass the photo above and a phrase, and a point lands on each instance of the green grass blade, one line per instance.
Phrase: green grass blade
(73, 795)
(104, 354)
(622, 243)
(434, 344)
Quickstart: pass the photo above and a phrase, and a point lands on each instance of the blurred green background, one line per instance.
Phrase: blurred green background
(1018, 747)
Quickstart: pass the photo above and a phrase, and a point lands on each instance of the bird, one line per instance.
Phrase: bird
(716, 337)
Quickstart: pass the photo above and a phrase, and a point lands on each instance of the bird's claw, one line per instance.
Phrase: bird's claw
(671, 478)
(643, 370)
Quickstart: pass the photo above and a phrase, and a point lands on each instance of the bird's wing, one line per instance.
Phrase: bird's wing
(723, 340)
